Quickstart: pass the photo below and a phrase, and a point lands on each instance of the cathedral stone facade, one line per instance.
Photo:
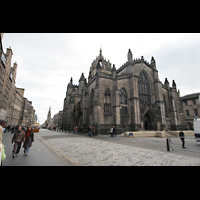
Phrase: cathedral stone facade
(132, 95)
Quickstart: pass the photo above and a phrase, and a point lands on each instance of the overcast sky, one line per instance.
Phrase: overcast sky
(46, 62)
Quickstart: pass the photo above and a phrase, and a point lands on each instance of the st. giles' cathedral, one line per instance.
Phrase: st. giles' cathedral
(132, 95)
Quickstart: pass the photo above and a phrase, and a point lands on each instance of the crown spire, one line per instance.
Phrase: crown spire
(100, 51)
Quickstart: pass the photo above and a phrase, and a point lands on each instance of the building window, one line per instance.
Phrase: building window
(195, 112)
(187, 113)
(123, 97)
(144, 88)
(194, 101)
(107, 110)
(123, 102)
(165, 103)
(185, 102)
(107, 102)
(92, 101)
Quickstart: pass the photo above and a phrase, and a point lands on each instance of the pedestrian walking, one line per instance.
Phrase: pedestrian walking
(114, 131)
(29, 139)
(182, 137)
(2, 150)
(111, 132)
(18, 139)
(90, 131)
(76, 130)
(93, 131)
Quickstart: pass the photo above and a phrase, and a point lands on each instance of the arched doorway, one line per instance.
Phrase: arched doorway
(149, 121)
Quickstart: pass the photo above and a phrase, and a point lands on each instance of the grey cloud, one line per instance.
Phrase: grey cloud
(46, 62)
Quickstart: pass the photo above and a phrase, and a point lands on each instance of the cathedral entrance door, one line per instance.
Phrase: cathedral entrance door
(148, 121)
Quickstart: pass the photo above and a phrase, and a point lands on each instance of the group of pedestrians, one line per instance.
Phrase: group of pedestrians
(78, 130)
(91, 131)
(20, 137)
(12, 128)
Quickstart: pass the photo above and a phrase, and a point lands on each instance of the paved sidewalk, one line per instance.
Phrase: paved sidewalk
(95, 152)
(40, 154)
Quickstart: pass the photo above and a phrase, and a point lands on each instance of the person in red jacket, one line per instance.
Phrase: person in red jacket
(76, 130)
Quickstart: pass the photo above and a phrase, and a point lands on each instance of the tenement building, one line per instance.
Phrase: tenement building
(15, 109)
(132, 95)
(191, 107)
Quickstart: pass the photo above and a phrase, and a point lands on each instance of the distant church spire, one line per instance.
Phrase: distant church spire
(49, 113)
(49, 109)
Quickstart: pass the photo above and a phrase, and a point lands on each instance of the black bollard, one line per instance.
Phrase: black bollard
(168, 147)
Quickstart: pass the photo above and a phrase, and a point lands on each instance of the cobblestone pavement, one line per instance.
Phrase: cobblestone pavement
(105, 151)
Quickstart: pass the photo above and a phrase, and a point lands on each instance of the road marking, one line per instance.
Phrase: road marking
(66, 157)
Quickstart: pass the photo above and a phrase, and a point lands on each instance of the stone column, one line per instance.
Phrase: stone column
(159, 101)
(135, 104)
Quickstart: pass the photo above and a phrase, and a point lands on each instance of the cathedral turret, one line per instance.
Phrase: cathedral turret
(71, 81)
(114, 72)
(167, 83)
(130, 56)
(81, 83)
(153, 63)
(82, 78)
(173, 85)
(90, 76)
(70, 86)
(98, 64)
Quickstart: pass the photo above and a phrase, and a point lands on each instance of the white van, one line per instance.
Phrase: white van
(196, 123)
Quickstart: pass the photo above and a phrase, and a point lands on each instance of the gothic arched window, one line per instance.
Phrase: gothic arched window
(92, 101)
(107, 102)
(122, 97)
(144, 88)
(165, 103)
(123, 102)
